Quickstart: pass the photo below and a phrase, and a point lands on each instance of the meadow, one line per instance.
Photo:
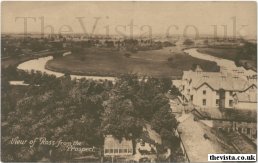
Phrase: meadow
(166, 62)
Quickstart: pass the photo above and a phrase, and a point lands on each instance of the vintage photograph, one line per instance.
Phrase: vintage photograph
(132, 81)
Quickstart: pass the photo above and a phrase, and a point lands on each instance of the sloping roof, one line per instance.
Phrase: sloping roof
(251, 85)
(217, 80)
(195, 75)
(113, 143)
(246, 97)
(198, 69)
(227, 83)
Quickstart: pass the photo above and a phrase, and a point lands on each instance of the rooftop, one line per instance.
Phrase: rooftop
(217, 80)
(111, 142)
(246, 97)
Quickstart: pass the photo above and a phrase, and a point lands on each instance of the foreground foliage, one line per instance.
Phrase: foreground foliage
(83, 110)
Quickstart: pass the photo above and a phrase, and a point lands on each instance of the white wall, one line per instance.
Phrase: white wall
(246, 105)
(210, 97)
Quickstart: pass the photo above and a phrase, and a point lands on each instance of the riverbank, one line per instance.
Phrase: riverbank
(11, 61)
(232, 54)
(183, 60)
(225, 64)
(40, 63)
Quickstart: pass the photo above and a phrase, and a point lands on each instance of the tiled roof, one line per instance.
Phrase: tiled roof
(217, 80)
(198, 68)
(246, 97)
(227, 83)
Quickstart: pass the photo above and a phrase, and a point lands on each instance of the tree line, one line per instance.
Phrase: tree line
(84, 110)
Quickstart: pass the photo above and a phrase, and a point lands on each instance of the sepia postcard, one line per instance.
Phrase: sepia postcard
(131, 81)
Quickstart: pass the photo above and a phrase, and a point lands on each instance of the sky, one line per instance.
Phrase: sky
(137, 18)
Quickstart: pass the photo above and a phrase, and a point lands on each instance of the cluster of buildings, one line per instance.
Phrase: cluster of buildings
(221, 112)
(22, 44)
(218, 89)
(119, 43)
(216, 111)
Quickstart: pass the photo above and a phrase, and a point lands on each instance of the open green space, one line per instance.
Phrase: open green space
(166, 62)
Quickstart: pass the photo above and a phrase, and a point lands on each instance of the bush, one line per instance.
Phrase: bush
(188, 42)
(127, 55)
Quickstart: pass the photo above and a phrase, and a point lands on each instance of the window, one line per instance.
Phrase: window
(217, 102)
(204, 92)
(115, 150)
(111, 151)
(217, 93)
(248, 131)
(124, 150)
(230, 103)
(120, 150)
(191, 97)
(106, 150)
(204, 102)
(130, 150)
(231, 93)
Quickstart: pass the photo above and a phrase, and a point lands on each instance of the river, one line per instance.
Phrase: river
(225, 64)
(39, 65)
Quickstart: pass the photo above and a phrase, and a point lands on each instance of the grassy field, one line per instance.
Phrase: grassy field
(109, 62)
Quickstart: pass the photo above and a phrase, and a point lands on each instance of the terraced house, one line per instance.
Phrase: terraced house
(218, 90)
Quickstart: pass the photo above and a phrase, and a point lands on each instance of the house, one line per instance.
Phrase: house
(144, 148)
(246, 99)
(114, 147)
(215, 89)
